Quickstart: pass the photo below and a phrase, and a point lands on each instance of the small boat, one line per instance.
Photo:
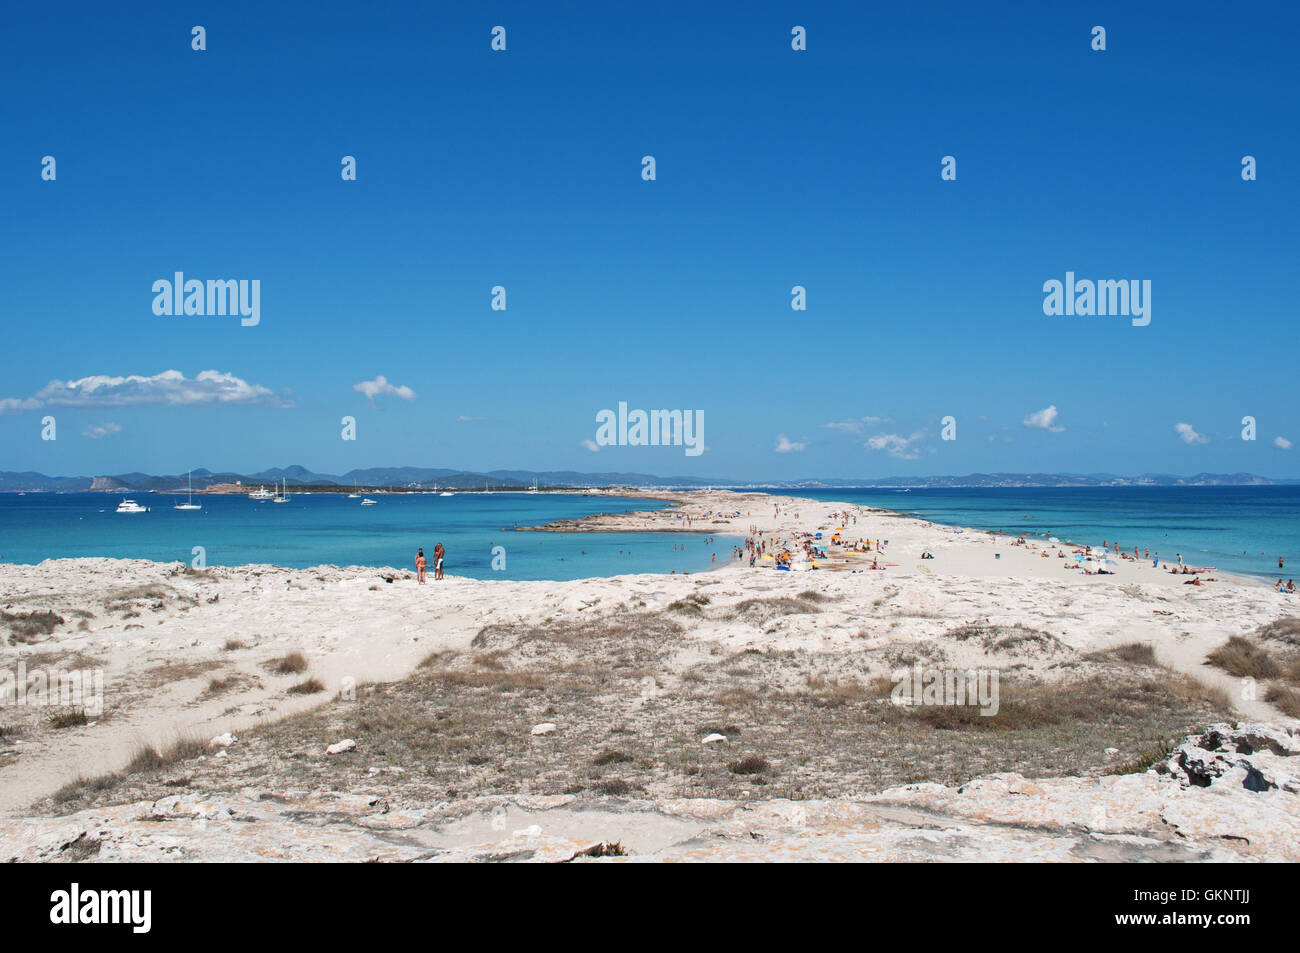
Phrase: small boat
(191, 505)
(445, 493)
(283, 495)
(261, 494)
(131, 506)
(367, 502)
(533, 488)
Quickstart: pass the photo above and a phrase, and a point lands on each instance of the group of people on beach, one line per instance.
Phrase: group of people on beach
(805, 547)
(421, 563)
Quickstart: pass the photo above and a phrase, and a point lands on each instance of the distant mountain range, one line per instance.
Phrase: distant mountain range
(1057, 479)
(376, 477)
(431, 477)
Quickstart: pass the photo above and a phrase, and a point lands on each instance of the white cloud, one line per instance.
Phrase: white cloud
(1045, 419)
(590, 444)
(170, 387)
(99, 431)
(785, 445)
(380, 386)
(856, 425)
(1282, 443)
(901, 447)
(1188, 434)
(14, 405)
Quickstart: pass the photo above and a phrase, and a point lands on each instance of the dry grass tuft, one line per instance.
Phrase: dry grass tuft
(172, 672)
(1244, 659)
(227, 683)
(295, 663)
(62, 661)
(1285, 630)
(1286, 700)
(1135, 653)
(27, 627)
(149, 759)
(758, 612)
(68, 719)
(311, 686)
(1008, 639)
(614, 849)
(1146, 759)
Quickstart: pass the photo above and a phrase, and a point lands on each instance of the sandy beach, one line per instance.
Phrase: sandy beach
(242, 678)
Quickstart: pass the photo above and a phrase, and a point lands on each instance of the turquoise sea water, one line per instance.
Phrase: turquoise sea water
(1237, 529)
(321, 529)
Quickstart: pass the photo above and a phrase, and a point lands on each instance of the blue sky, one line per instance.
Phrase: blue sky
(775, 168)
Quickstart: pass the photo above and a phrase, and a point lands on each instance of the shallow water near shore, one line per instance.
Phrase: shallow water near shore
(1242, 529)
(324, 529)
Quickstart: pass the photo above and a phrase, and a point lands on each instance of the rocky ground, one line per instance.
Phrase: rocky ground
(1228, 794)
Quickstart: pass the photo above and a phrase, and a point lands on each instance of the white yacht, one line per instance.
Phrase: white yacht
(367, 502)
(446, 493)
(131, 506)
(261, 494)
(283, 495)
(191, 505)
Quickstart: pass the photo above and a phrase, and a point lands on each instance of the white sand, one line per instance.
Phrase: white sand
(353, 625)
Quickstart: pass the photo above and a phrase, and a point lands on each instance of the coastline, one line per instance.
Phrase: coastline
(164, 636)
(653, 521)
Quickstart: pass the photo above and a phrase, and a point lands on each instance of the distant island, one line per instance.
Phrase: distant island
(303, 480)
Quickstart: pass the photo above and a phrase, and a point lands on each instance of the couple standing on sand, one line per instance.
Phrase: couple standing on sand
(421, 562)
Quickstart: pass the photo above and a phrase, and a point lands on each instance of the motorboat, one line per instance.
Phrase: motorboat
(367, 502)
(261, 494)
(131, 506)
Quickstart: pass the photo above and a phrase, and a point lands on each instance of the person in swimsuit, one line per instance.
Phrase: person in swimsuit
(438, 554)
(420, 564)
